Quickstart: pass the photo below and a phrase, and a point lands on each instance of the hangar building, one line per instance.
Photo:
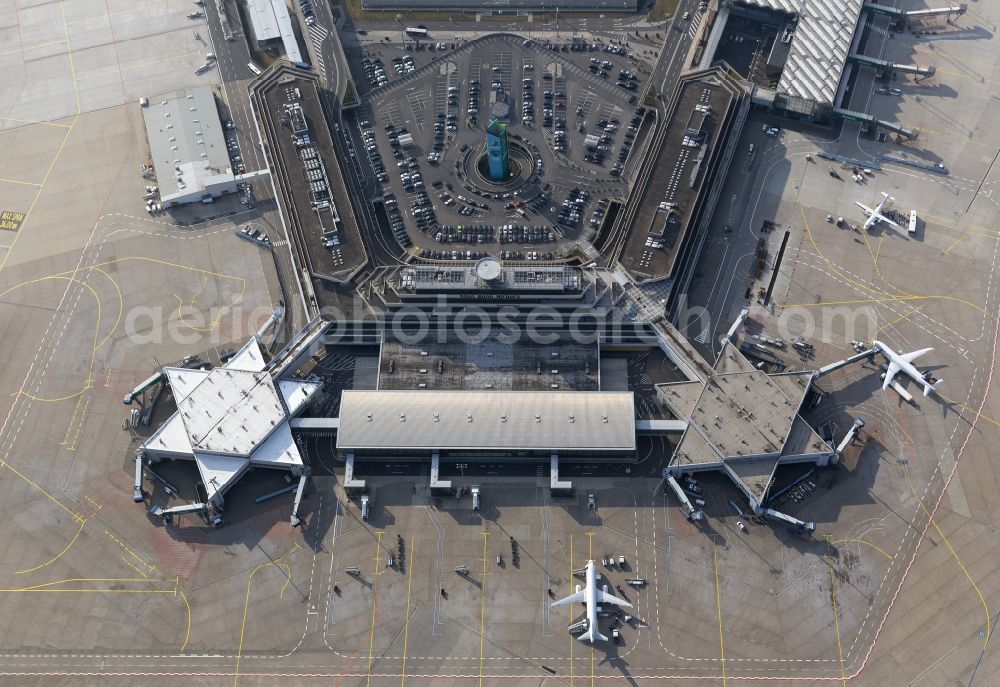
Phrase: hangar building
(188, 147)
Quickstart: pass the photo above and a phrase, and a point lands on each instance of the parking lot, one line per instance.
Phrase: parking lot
(570, 134)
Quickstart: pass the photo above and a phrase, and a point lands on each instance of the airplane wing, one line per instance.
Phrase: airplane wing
(910, 357)
(889, 374)
(868, 210)
(571, 599)
(882, 218)
(605, 598)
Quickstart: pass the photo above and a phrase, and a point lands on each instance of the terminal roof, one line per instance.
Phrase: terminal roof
(738, 412)
(819, 47)
(231, 418)
(486, 420)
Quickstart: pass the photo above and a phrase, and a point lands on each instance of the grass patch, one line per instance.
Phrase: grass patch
(663, 9)
(350, 97)
(650, 99)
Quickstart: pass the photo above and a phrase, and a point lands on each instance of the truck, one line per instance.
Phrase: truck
(912, 228)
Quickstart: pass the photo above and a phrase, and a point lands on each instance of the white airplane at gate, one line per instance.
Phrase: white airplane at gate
(903, 362)
(592, 596)
(875, 214)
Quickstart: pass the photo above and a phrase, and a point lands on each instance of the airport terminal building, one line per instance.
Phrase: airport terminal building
(501, 6)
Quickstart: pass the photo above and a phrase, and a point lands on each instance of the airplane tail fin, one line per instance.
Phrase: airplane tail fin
(928, 388)
(592, 635)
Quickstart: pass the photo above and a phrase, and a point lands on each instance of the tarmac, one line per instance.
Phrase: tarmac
(898, 585)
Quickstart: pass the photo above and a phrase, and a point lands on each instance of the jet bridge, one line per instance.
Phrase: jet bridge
(885, 66)
(150, 382)
(857, 357)
(851, 434)
(690, 511)
(897, 14)
(788, 520)
(868, 121)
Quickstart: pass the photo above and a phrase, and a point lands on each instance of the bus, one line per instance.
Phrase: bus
(254, 68)
(416, 31)
(912, 229)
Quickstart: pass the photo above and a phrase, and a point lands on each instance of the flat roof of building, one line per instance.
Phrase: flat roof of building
(595, 421)
(738, 412)
(270, 20)
(186, 143)
(682, 165)
(490, 364)
(487, 5)
(500, 277)
(262, 20)
(818, 54)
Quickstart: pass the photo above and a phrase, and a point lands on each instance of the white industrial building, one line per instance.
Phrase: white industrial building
(271, 21)
(188, 147)
(232, 418)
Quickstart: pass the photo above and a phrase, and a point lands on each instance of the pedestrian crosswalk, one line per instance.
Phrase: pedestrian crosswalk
(695, 23)
(318, 33)
(878, 28)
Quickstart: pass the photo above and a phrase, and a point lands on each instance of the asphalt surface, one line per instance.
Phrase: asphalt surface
(233, 58)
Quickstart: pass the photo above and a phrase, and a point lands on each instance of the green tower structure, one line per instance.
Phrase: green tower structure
(496, 149)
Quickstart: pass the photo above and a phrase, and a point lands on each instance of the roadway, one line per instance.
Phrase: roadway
(676, 44)
(233, 56)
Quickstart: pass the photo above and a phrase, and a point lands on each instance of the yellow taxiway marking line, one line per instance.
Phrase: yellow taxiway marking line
(62, 145)
(128, 550)
(131, 565)
(79, 422)
(836, 613)
(32, 121)
(371, 634)
(866, 288)
(58, 555)
(72, 419)
(954, 554)
(569, 610)
(76, 516)
(590, 557)
(944, 134)
(187, 632)
(121, 306)
(866, 543)
(138, 7)
(18, 181)
(246, 607)
(954, 243)
(406, 626)
(288, 579)
(718, 610)
(378, 554)
(482, 612)
(898, 319)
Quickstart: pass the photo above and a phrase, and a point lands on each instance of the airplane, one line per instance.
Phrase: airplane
(903, 362)
(592, 596)
(875, 215)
